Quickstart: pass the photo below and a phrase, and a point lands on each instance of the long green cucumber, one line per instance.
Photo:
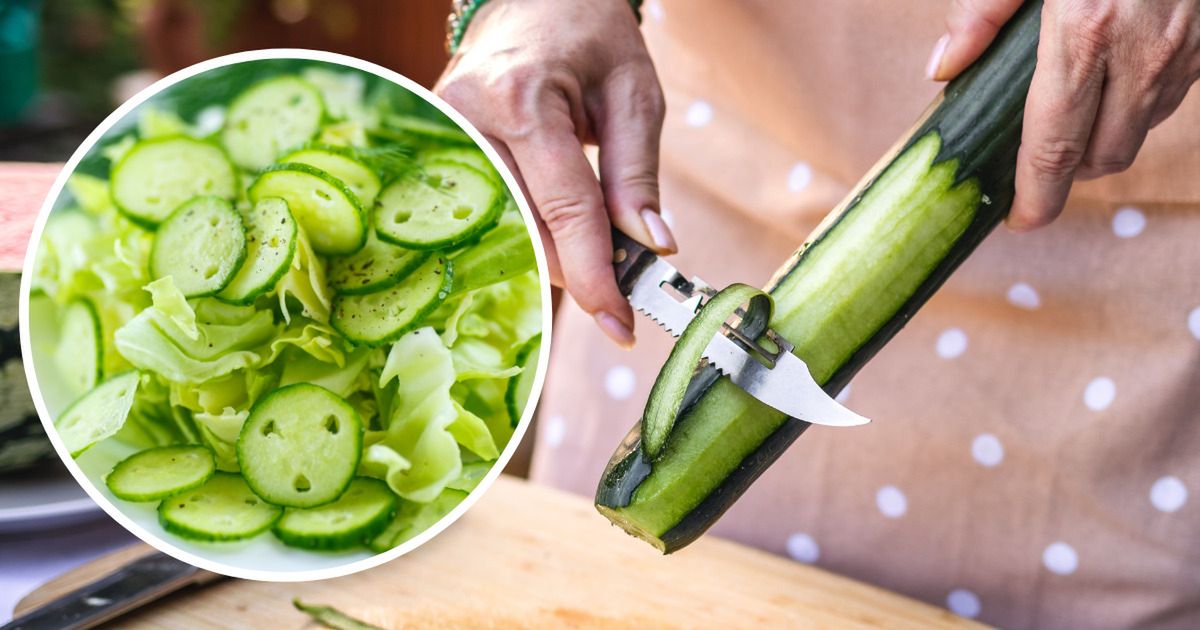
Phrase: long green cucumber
(859, 278)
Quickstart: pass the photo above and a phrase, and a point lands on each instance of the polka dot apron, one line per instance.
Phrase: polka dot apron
(1035, 455)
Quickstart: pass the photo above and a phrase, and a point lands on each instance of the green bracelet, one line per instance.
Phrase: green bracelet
(463, 10)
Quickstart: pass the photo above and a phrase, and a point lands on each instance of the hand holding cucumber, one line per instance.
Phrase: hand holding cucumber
(1107, 73)
(541, 79)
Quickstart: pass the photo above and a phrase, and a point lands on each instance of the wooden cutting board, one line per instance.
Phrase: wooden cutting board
(529, 556)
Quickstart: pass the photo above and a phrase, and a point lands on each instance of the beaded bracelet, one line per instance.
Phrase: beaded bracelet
(463, 10)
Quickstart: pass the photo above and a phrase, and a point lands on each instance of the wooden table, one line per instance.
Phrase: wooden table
(529, 556)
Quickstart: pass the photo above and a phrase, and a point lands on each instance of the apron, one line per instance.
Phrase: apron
(1034, 459)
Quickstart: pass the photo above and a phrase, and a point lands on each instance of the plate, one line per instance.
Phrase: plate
(41, 499)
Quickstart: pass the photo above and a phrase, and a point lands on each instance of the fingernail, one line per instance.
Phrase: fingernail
(935, 60)
(617, 331)
(664, 241)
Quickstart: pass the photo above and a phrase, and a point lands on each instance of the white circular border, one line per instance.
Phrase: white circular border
(166, 546)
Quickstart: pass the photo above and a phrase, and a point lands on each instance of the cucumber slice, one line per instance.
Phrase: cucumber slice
(201, 246)
(471, 156)
(382, 317)
(158, 175)
(222, 509)
(413, 518)
(80, 352)
(516, 396)
(377, 266)
(503, 253)
(441, 206)
(270, 247)
(322, 204)
(358, 176)
(98, 414)
(356, 517)
(271, 117)
(158, 473)
(425, 130)
(300, 446)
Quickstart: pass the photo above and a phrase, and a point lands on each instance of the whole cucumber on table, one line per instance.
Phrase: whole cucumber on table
(854, 284)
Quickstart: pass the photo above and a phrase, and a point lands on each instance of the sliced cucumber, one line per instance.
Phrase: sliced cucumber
(425, 130)
(377, 266)
(378, 318)
(158, 175)
(516, 396)
(363, 510)
(222, 509)
(201, 246)
(80, 352)
(158, 473)
(413, 518)
(322, 204)
(471, 156)
(300, 446)
(271, 117)
(358, 176)
(504, 252)
(441, 206)
(98, 414)
(270, 247)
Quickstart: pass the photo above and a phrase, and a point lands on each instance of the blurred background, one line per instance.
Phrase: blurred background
(64, 66)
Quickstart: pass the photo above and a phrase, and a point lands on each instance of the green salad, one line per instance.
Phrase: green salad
(312, 309)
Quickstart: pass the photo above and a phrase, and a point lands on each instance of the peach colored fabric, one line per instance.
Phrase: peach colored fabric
(23, 188)
(1035, 455)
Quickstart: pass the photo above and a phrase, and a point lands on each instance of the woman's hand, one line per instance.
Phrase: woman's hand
(541, 78)
(1107, 72)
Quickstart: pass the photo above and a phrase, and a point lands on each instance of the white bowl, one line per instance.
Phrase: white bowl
(263, 557)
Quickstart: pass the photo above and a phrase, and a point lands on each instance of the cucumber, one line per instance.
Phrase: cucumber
(158, 473)
(428, 131)
(270, 247)
(471, 156)
(98, 414)
(379, 318)
(159, 174)
(202, 245)
(441, 206)
(80, 352)
(864, 273)
(222, 509)
(377, 266)
(322, 204)
(412, 518)
(338, 162)
(516, 395)
(271, 117)
(357, 516)
(300, 446)
(504, 252)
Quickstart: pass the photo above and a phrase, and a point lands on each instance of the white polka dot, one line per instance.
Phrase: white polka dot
(554, 431)
(1099, 393)
(1128, 222)
(799, 177)
(1194, 322)
(667, 217)
(699, 113)
(1168, 494)
(987, 450)
(1024, 296)
(844, 395)
(619, 382)
(963, 603)
(951, 343)
(655, 11)
(891, 502)
(802, 547)
(1060, 558)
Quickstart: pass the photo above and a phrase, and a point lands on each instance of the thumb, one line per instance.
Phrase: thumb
(971, 26)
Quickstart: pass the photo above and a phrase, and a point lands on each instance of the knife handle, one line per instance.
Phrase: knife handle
(630, 259)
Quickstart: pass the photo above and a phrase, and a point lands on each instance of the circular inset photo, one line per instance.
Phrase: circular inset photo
(284, 316)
